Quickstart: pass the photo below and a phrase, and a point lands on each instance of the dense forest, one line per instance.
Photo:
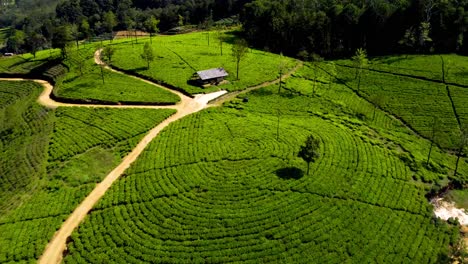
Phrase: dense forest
(298, 28)
(334, 28)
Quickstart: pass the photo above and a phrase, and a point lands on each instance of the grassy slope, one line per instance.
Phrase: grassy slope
(116, 87)
(24, 64)
(179, 57)
(239, 193)
(87, 85)
(42, 184)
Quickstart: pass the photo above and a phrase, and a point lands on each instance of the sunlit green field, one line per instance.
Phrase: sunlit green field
(86, 82)
(179, 57)
(239, 193)
(426, 105)
(226, 184)
(51, 159)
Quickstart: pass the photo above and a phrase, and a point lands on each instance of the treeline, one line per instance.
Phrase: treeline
(338, 28)
(84, 19)
(302, 28)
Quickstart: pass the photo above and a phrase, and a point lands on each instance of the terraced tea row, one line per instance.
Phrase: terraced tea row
(43, 182)
(417, 102)
(218, 186)
(450, 68)
(24, 130)
(78, 130)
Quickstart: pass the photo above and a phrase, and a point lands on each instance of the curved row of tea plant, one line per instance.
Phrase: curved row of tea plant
(24, 131)
(42, 183)
(426, 66)
(79, 129)
(417, 102)
(222, 186)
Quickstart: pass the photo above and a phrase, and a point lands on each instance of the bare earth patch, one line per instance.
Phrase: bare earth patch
(127, 34)
(445, 210)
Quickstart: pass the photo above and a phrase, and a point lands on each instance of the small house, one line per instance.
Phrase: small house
(212, 76)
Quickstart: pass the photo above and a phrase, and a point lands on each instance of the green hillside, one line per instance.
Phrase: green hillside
(239, 193)
(51, 159)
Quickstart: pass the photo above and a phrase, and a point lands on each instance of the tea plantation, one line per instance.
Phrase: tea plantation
(418, 102)
(226, 185)
(50, 161)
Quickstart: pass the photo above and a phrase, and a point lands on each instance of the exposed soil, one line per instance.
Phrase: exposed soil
(445, 210)
(130, 34)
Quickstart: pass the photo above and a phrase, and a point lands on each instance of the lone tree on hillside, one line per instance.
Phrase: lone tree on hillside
(281, 68)
(79, 59)
(34, 41)
(310, 151)
(107, 52)
(110, 22)
(239, 50)
(62, 35)
(147, 55)
(360, 61)
(221, 37)
(151, 26)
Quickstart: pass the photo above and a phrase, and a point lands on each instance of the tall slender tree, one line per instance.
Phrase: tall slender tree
(239, 51)
(147, 55)
(109, 22)
(281, 68)
(360, 61)
(151, 25)
(62, 35)
(221, 37)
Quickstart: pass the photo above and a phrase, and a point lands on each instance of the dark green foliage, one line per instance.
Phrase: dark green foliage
(338, 27)
(310, 152)
(62, 36)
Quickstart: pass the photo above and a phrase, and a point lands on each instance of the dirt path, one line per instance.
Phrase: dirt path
(45, 99)
(53, 252)
(229, 96)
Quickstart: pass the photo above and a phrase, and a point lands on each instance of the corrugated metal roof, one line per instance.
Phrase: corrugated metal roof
(212, 73)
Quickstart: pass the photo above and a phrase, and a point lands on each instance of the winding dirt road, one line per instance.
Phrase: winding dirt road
(53, 252)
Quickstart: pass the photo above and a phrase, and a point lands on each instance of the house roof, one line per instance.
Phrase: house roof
(212, 73)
